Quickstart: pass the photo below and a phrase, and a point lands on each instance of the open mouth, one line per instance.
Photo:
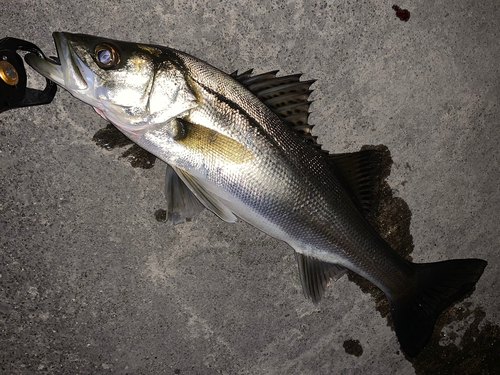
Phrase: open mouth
(65, 69)
(54, 60)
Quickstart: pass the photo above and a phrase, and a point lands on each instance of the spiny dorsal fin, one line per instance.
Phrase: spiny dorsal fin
(315, 275)
(287, 96)
(361, 174)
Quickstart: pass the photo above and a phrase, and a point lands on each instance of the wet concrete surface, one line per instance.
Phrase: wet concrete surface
(92, 281)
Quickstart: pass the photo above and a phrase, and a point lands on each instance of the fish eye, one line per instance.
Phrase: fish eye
(106, 56)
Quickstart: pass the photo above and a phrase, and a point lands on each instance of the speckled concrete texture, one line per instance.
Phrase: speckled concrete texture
(92, 283)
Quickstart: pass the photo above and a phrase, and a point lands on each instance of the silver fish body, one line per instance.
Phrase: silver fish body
(241, 159)
(285, 188)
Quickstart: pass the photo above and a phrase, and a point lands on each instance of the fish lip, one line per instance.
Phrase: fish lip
(66, 69)
(72, 65)
(57, 42)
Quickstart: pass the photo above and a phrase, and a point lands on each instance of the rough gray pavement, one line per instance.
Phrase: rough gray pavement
(91, 283)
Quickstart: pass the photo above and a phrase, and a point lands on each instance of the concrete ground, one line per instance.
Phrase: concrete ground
(91, 282)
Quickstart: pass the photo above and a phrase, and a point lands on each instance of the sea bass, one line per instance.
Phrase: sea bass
(240, 146)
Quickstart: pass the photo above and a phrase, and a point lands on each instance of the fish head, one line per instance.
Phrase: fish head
(137, 87)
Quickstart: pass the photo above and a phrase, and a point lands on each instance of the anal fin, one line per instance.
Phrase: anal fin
(315, 275)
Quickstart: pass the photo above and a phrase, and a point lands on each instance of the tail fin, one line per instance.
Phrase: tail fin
(435, 287)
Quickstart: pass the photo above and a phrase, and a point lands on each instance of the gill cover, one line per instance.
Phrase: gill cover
(132, 85)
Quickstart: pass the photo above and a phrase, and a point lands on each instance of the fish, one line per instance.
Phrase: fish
(240, 145)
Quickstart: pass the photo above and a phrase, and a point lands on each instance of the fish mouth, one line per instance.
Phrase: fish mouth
(67, 69)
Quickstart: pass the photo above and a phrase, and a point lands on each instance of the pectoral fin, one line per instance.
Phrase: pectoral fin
(315, 275)
(211, 144)
(202, 191)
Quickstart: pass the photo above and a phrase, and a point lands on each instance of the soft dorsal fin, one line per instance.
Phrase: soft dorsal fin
(315, 275)
(361, 173)
(287, 96)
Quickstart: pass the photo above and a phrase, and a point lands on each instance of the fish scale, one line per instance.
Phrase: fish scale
(241, 146)
(304, 199)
